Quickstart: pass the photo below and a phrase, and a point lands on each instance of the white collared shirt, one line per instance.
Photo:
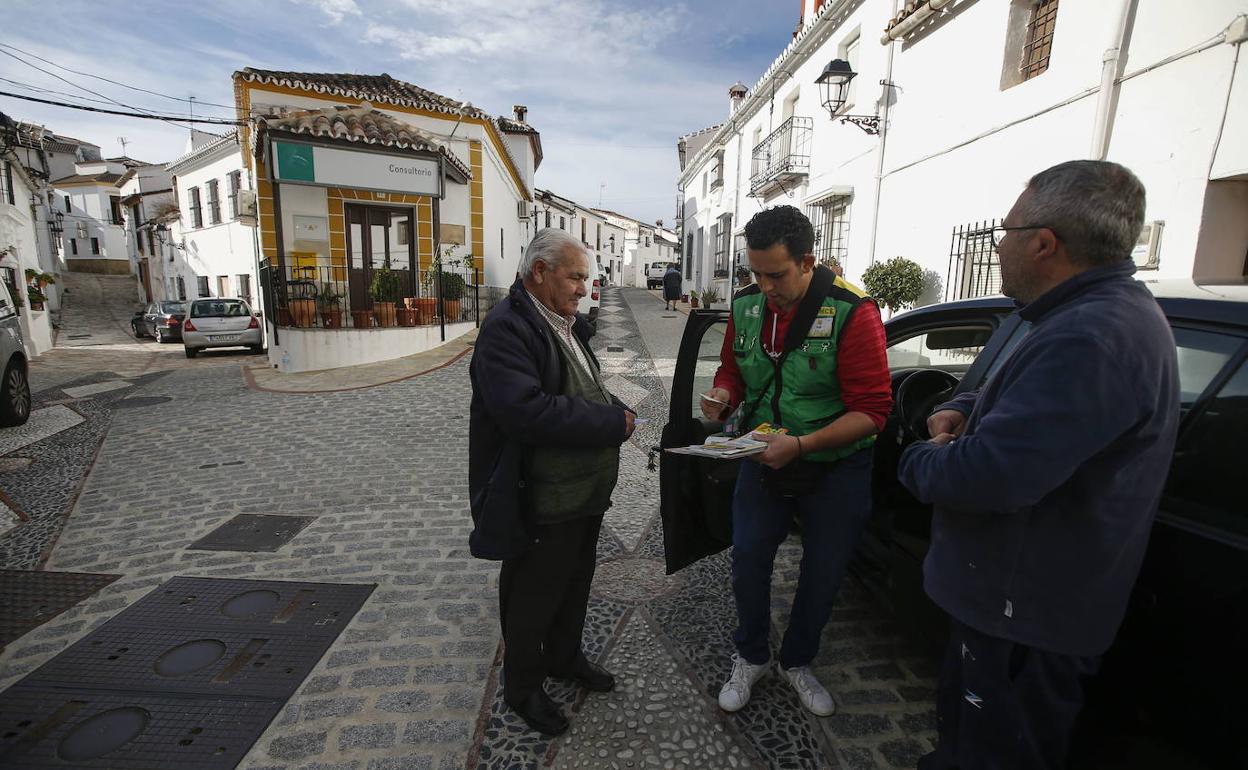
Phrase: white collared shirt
(562, 327)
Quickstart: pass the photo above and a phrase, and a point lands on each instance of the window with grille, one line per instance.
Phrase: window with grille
(6, 184)
(830, 218)
(974, 267)
(236, 184)
(202, 287)
(721, 233)
(1039, 39)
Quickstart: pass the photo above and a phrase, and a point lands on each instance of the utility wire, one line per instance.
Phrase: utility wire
(147, 115)
(114, 82)
(53, 92)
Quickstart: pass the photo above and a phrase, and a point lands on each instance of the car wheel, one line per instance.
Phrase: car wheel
(191, 352)
(159, 335)
(135, 328)
(256, 348)
(14, 396)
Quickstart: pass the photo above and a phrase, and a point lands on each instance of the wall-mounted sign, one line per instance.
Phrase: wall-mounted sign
(452, 234)
(311, 228)
(298, 163)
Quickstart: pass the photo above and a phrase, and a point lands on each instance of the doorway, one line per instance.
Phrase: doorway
(378, 236)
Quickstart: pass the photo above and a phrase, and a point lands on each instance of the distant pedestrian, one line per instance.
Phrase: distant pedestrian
(544, 453)
(671, 287)
(1046, 481)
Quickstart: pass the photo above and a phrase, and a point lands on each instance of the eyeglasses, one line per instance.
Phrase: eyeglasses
(998, 232)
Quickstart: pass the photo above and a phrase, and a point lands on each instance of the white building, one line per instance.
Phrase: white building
(95, 238)
(355, 174)
(644, 244)
(210, 251)
(603, 237)
(20, 192)
(977, 97)
(146, 191)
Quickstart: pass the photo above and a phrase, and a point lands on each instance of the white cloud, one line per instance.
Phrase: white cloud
(336, 10)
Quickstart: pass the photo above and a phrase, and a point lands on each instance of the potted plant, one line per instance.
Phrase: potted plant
(693, 299)
(302, 297)
(331, 306)
(385, 291)
(896, 283)
(710, 295)
(37, 298)
(452, 293)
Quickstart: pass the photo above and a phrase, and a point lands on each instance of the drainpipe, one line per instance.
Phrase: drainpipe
(1111, 69)
(736, 213)
(913, 21)
(879, 150)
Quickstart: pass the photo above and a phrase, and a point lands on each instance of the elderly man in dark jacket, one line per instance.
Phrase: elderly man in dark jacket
(1046, 481)
(543, 450)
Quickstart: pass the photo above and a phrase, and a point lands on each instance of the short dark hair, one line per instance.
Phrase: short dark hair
(781, 224)
(1095, 206)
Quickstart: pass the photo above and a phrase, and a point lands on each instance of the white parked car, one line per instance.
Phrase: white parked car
(15, 385)
(655, 273)
(217, 322)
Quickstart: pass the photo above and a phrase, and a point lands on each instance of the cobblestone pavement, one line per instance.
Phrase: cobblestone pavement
(413, 681)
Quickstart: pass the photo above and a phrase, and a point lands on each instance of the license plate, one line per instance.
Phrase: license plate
(222, 337)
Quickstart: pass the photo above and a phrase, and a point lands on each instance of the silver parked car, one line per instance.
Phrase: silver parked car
(218, 322)
(15, 386)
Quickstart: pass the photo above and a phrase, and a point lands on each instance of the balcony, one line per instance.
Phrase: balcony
(783, 158)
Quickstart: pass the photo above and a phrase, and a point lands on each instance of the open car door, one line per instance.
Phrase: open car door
(695, 492)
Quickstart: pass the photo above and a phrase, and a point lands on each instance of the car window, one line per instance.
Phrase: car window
(218, 308)
(7, 309)
(951, 349)
(151, 309)
(1201, 354)
(1208, 463)
(173, 307)
(708, 363)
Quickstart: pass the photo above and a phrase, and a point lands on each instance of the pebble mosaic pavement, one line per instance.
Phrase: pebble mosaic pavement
(413, 682)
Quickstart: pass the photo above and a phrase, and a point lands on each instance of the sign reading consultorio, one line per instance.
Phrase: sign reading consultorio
(330, 166)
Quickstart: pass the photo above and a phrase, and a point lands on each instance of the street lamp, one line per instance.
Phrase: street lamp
(834, 92)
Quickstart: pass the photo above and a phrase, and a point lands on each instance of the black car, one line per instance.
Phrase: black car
(1173, 689)
(160, 320)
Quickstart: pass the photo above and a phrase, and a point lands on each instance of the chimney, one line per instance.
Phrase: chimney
(736, 97)
(521, 111)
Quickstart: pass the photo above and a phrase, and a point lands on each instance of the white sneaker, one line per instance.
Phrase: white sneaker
(736, 691)
(813, 695)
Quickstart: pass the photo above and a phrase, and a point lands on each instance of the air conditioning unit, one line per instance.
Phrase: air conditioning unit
(247, 207)
(522, 210)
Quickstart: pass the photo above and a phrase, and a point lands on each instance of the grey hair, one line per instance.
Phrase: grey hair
(548, 246)
(1096, 207)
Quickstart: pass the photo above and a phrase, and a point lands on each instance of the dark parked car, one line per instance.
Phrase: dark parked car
(1173, 690)
(160, 320)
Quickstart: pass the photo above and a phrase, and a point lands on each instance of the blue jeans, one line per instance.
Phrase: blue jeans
(832, 518)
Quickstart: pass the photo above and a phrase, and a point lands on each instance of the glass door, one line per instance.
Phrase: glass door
(378, 236)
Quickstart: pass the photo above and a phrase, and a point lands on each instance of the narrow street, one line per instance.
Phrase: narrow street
(136, 452)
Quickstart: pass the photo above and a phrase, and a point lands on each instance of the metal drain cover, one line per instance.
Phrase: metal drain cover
(252, 532)
(102, 730)
(189, 676)
(30, 598)
(614, 349)
(138, 402)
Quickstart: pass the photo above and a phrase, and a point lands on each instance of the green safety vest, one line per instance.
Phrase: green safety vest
(809, 394)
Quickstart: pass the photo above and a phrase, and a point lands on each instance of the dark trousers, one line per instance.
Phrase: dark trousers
(1002, 704)
(832, 518)
(542, 598)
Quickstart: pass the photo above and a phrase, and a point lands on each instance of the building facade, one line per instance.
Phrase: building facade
(953, 105)
(20, 265)
(372, 192)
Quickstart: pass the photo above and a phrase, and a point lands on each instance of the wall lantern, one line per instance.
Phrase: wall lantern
(834, 92)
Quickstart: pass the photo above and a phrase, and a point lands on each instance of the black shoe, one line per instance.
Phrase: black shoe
(541, 713)
(590, 676)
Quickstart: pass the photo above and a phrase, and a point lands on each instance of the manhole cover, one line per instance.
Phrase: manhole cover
(252, 532)
(141, 401)
(30, 598)
(633, 581)
(47, 728)
(614, 349)
(262, 606)
(668, 315)
(190, 676)
(79, 336)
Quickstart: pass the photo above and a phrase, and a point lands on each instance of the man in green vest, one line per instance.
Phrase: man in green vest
(804, 351)
(543, 451)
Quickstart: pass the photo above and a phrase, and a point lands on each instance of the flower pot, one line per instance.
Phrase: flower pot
(684, 297)
(385, 313)
(303, 312)
(362, 319)
(407, 316)
(452, 310)
(283, 317)
(693, 302)
(36, 305)
(426, 309)
(331, 319)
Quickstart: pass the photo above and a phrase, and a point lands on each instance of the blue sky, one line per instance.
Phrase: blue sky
(610, 85)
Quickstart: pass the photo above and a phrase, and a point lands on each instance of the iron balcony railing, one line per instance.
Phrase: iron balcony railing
(784, 155)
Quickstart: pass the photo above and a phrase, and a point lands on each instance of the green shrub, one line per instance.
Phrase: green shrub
(897, 283)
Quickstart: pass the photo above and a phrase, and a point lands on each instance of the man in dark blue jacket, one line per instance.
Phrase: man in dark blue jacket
(1046, 481)
(543, 455)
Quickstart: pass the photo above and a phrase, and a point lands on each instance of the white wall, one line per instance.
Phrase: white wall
(228, 247)
(310, 350)
(17, 229)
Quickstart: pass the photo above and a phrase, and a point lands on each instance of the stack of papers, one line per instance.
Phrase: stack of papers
(723, 448)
